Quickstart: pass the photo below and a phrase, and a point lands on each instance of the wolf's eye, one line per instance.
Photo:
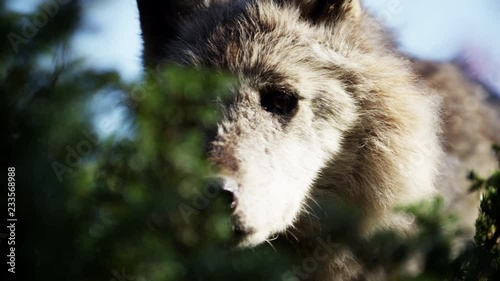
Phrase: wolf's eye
(278, 101)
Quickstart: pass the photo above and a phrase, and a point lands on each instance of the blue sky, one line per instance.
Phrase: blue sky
(438, 29)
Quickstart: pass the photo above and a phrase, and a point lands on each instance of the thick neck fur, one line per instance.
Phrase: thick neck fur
(389, 158)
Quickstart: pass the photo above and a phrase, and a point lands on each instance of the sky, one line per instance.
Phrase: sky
(438, 29)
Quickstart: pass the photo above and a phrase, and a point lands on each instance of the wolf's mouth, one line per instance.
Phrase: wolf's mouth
(239, 230)
(240, 233)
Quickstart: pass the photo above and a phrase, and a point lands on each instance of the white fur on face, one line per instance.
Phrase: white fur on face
(276, 166)
(274, 186)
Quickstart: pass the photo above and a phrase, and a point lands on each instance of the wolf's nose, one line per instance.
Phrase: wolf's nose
(228, 190)
(230, 198)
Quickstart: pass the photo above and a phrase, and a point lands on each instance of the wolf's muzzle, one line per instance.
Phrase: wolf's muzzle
(228, 190)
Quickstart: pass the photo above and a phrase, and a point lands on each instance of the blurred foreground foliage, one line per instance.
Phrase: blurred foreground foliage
(139, 207)
(485, 261)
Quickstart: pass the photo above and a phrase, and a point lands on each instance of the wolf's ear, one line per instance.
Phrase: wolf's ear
(160, 23)
(329, 10)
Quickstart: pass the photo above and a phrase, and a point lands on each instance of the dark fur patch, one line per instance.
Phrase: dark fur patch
(322, 107)
(223, 156)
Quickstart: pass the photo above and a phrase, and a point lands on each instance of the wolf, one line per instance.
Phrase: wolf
(325, 108)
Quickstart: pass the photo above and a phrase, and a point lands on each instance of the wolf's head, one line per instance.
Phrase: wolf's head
(304, 114)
